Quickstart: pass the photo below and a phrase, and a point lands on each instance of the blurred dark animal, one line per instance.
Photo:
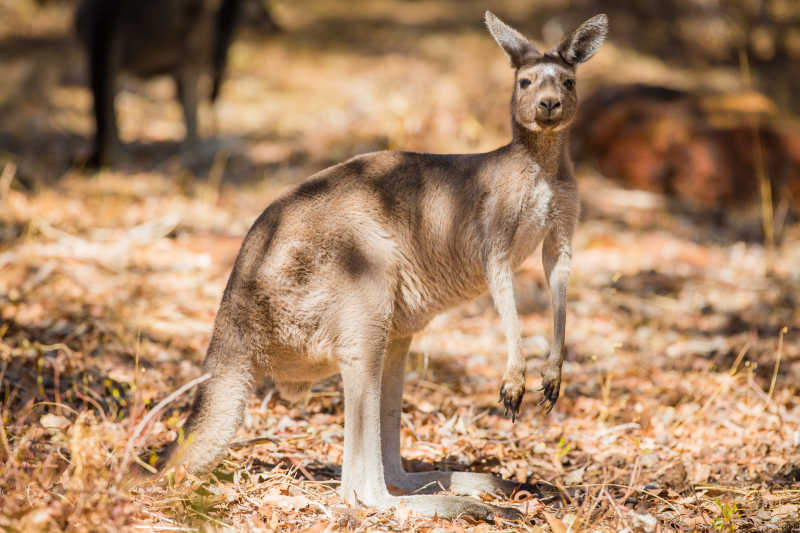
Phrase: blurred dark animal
(339, 274)
(181, 38)
(258, 15)
(701, 149)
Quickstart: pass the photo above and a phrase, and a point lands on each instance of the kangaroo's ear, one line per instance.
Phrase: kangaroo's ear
(582, 43)
(516, 46)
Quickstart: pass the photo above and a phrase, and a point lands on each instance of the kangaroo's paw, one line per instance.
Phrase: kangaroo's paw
(511, 394)
(551, 385)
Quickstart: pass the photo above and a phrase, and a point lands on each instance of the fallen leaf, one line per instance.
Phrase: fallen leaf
(555, 523)
(787, 509)
(701, 473)
(287, 503)
(37, 520)
(318, 528)
(395, 490)
(645, 522)
(402, 513)
(51, 421)
(575, 477)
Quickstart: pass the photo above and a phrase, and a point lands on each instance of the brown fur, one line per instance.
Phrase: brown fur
(337, 276)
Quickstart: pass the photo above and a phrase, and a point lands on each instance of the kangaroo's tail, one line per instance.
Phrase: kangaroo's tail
(219, 405)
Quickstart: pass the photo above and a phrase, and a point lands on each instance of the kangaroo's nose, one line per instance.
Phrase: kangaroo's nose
(548, 107)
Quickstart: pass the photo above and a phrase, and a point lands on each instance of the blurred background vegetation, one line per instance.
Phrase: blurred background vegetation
(320, 81)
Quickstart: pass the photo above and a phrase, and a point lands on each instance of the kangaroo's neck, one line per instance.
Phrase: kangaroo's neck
(545, 148)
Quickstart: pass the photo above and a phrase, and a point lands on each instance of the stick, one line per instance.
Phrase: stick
(784, 329)
(7, 176)
(9, 458)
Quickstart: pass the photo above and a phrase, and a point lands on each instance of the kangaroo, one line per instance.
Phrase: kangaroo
(337, 276)
(148, 38)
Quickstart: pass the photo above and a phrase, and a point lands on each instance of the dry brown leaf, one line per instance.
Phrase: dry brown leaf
(555, 523)
(402, 513)
(701, 473)
(51, 421)
(787, 510)
(575, 477)
(320, 528)
(286, 503)
(394, 489)
(37, 520)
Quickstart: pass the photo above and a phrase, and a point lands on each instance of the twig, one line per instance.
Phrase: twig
(87, 399)
(159, 516)
(4, 441)
(784, 329)
(57, 404)
(252, 442)
(634, 474)
(764, 184)
(57, 346)
(587, 515)
(758, 391)
(739, 357)
(722, 488)
(616, 508)
(144, 465)
(7, 176)
(216, 173)
(722, 389)
(152, 527)
(302, 469)
(150, 415)
(622, 486)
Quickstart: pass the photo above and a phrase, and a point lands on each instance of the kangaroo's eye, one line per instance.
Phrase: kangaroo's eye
(569, 84)
(524, 82)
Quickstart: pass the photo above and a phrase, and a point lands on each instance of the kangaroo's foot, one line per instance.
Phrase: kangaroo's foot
(447, 507)
(461, 483)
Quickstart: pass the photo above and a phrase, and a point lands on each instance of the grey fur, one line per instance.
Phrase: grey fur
(337, 275)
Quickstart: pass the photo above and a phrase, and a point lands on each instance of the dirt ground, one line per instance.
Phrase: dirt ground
(679, 409)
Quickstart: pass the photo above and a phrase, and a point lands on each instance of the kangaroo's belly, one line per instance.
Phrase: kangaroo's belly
(424, 293)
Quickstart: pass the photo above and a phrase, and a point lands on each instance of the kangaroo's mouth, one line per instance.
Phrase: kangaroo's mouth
(548, 123)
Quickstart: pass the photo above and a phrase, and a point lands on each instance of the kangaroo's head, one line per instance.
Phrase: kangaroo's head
(545, 96)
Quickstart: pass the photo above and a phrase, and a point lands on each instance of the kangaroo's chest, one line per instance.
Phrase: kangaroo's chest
(536, 218)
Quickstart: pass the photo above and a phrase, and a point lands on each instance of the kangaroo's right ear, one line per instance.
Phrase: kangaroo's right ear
(582, 43)
(516, 46)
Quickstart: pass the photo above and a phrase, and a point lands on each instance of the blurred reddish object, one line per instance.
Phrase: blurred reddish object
(699, 149)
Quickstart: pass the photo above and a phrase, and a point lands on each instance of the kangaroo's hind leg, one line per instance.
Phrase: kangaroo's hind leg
(465, 483)
(363, 468)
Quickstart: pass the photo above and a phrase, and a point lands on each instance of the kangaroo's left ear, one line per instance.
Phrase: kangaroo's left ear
(516, 46)
(582, 43)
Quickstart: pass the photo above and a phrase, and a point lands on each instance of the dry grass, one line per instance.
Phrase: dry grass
(679, 409)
